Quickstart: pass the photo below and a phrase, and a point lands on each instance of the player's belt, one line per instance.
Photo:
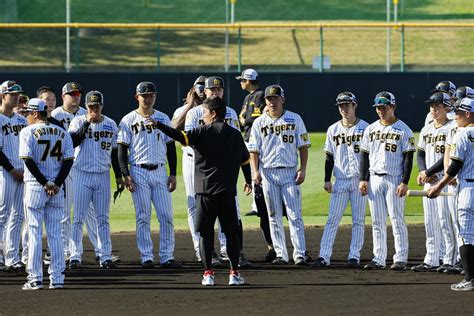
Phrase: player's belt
(380, 174)
(469, 180)
(148, 167)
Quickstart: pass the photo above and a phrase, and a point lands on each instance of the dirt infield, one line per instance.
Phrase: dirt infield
(268, 289)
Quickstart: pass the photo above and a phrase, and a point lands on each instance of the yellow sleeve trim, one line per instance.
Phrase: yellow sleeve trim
(123, 143)
(70, 158)
(305, 146)
(186, 139)
(254, 151)
(245, 162)
(26, 157)
(256, 114)
(407, 151)
(456, 158)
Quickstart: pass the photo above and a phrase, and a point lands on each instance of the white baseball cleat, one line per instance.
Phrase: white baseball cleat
(208, 278)
(56, 286)
(35, 285)
(463, 286)
(235, 278)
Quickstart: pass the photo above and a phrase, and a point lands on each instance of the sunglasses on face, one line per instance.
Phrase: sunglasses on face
(382, 101)
(75, 93)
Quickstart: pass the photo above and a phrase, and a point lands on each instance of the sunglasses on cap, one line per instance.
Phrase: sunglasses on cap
(344, 99)
(75, 93)
(382, 101)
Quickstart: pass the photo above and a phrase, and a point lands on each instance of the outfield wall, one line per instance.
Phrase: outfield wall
(311, 95)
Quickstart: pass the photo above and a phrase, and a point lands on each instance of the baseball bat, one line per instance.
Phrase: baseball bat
(425, 193)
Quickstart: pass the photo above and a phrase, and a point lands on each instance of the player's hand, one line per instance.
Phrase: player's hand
(242, 121)
(300, 176)
(247, 188)
(434, 191)
(328, 187)
(150, 121)
(171, 183)
(453, 182)
(421, 179)
(257, 178)
(129, 183)
(51, 188)
(17, 174)
(364, 187)
(120, 184)
(92, 117)
(402, 190)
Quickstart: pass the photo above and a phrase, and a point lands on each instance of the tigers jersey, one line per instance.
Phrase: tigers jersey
(343, 143)
(48, 145)
(176, 114)
(386, 145)
(11, 127)
(65, 117)
(194, 118)
(453, 131)
(146, 143)
(462, 149)
(433, 141)
(429, 119)
(277, 139)
(94, 152)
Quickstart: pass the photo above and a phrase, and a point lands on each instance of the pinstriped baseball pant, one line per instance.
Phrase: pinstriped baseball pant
(151, 187)
(279, 185)
(383, 200)
(41, 207)
(465, 211)
(344, 190)
(452, 201)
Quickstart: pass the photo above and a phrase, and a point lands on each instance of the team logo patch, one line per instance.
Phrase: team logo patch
(304, 137)
(94, 98)
(396, 129)
(257, 111)
(359, 131)
(273, 91)
(74, 86)
(289, 120)
(217, 82)
(108, 128)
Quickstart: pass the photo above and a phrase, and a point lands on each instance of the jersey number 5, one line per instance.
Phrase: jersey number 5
(55, 151)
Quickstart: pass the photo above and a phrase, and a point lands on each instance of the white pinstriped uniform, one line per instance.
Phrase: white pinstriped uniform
(343, 143)
(147, 145)
(429, 118)
(65, 118)
(277, 141)
(462, 149)
(11, 191)
(92, 182)
(438, 222)
(48, 146)
(386, 145)
(193, 120)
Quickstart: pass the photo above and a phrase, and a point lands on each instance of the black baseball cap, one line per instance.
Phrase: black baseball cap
(146, 87)
(274, 91)
(10, 86)
(71, 87)
(94, 98)
(345, 97)
(214, 82)
(445, 86)
(384, 98)
(439, 97)
(463, 92)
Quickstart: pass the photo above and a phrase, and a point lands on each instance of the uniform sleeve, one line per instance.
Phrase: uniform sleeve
(408, 141)
(364, 145)
(234, 119)
(245, 152)
(75, 125)
(193, 136)
(26, 145)
(115, 131)
(68, 148)
(421, 141)
(302, 137)
(124, 134)
(255, 141)
(166, 121)
(329, 144)
(459, 147)
(189, 122)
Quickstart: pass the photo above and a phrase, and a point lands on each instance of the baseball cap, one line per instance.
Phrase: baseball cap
(200, 80)
(384, 98)
(10, 86)
(463, 92)
(445, 86)
(35, 105)
(439, 97)
(145, 87)
(214, 82)
(71, 87)
(248, 74)
(345, 97)
(464, 104)
(274, 91)
(94, 98)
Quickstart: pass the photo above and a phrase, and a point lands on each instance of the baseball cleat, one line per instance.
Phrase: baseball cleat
(423, 267)
(114, 258)
(320, 263)
(47, 259)
(16, 267)
(149, 264)
(456, 269)
(251, 213)
(243, 262)
(235, 278)
(35, 285)
(223, 257)
(208, 278)
(462, 286)
(353, 262)
(56, 286)
(398, 266)
(372, 265)
(172, 264)
(270, 256)
(215, 260)
(279, 261)
(108, 264)
(75, 265)
(443, 268)
(300, 261)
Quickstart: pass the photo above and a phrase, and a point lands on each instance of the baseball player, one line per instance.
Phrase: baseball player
(438, 222)
(276, 138)
(387, 154)
(22, 103)
(342, 149)
(447, 87)
(71, 96)
(219, 153)
(462, 165)
(214, 86)
(146, 149)
(48, 156)
(194, 98)
(95, 136)
(11, 177)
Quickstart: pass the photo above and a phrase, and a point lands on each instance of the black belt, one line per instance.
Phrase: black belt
(280, 167)
(469, 180)
(380, 174)
(189, 155)
(148, 167)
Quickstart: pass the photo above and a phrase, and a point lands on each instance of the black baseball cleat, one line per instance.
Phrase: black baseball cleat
(423, 267)
(114, 258)
(398, 266)
(75, 265)
(372, 265)
(215, 260)
(456, 269)
(279, 261)
(172, 264)
(16, 267)
(108, 264)
(442, 268)
(320, 263)
(35, 285)
(243, 262)
(353, 263)
(251, 213)
(149, 264)
(270, 256)
(300, 261)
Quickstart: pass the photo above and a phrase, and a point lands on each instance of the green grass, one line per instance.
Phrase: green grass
(315, 199)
